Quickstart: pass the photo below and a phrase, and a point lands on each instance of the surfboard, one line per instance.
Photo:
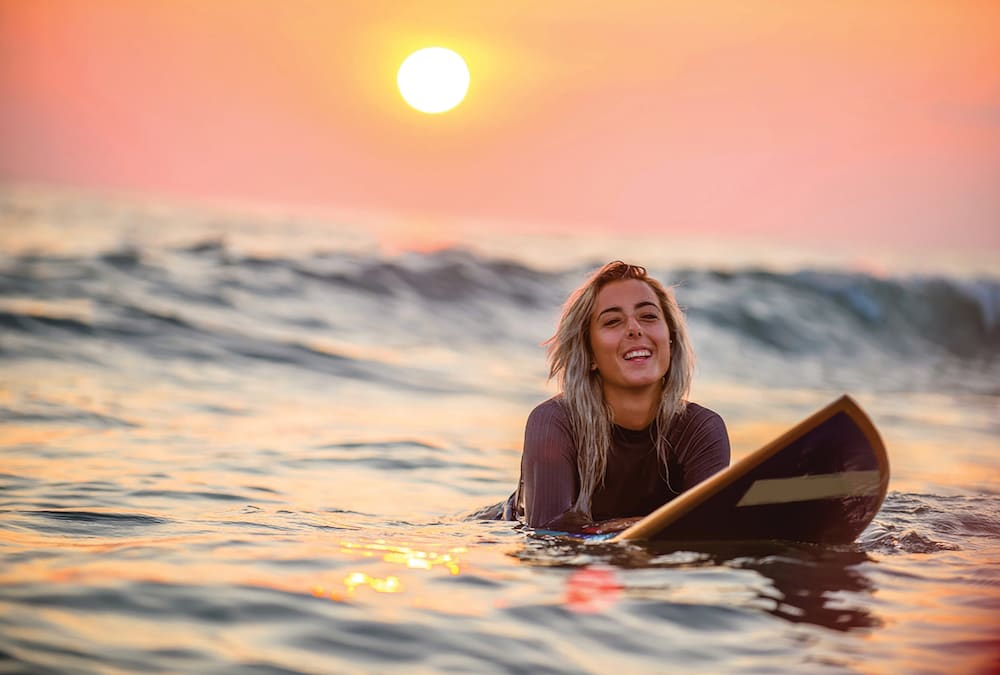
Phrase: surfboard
(822, 481)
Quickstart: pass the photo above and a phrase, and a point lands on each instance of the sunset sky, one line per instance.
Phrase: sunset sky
(874, 121)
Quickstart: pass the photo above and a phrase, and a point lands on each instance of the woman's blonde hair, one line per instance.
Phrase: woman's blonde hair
(570, 359)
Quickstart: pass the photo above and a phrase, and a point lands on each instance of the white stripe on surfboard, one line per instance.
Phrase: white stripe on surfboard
(806, 488)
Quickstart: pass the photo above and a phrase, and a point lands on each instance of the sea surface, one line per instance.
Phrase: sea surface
(245, 443)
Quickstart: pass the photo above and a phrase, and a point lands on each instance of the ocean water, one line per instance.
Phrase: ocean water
(235, 442)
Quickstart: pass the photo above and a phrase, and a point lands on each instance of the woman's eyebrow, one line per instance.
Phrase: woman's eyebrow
(616, 308)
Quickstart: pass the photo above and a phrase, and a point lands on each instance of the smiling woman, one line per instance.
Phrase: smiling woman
(433, 80)
(622, 438)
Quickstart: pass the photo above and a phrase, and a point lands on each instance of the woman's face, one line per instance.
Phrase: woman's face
(629, 336)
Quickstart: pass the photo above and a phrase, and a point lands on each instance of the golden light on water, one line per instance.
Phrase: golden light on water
(389, 584)
(394, 554)
(406, 556)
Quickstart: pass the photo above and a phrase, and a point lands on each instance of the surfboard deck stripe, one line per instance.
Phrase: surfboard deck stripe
(806, 488)
(822, 481)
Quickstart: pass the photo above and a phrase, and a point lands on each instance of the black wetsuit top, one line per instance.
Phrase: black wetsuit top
(635, 482)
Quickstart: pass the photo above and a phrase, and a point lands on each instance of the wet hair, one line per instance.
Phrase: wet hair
(570, 358)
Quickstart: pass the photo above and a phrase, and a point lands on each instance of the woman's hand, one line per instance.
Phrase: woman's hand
(613, 525)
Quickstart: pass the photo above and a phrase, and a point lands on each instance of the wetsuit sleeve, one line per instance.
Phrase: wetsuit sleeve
(548, 466)
(704, 445)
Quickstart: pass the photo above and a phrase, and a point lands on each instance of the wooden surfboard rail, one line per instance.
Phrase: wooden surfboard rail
(673, 510)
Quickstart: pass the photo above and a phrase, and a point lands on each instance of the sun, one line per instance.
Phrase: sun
(433, 80)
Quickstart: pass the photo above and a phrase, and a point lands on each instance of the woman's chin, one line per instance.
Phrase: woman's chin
(636, 382)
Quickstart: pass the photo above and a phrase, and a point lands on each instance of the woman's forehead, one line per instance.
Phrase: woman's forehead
(625, 294)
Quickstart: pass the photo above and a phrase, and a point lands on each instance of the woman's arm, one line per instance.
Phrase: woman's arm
(548, 468)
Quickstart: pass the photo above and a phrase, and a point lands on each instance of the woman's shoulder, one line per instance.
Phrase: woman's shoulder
(548, 430)
(695, 412)
(548, 416)
(698, 419)
(549, 411)
(701, 442)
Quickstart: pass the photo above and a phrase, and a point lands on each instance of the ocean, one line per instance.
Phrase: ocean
(238, 442)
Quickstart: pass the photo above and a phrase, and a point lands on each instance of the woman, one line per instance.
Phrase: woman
(621, 439)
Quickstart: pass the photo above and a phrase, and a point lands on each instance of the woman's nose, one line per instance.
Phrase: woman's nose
(633, 329)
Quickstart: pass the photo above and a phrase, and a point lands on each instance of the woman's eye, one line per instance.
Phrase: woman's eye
(650, 317)
(611, 322)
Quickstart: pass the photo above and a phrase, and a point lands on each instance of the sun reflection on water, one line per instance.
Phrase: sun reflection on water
(406, 556)
(389, 584)
(403, 555)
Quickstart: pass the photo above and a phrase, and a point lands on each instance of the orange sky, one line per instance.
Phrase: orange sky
(780, 119)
